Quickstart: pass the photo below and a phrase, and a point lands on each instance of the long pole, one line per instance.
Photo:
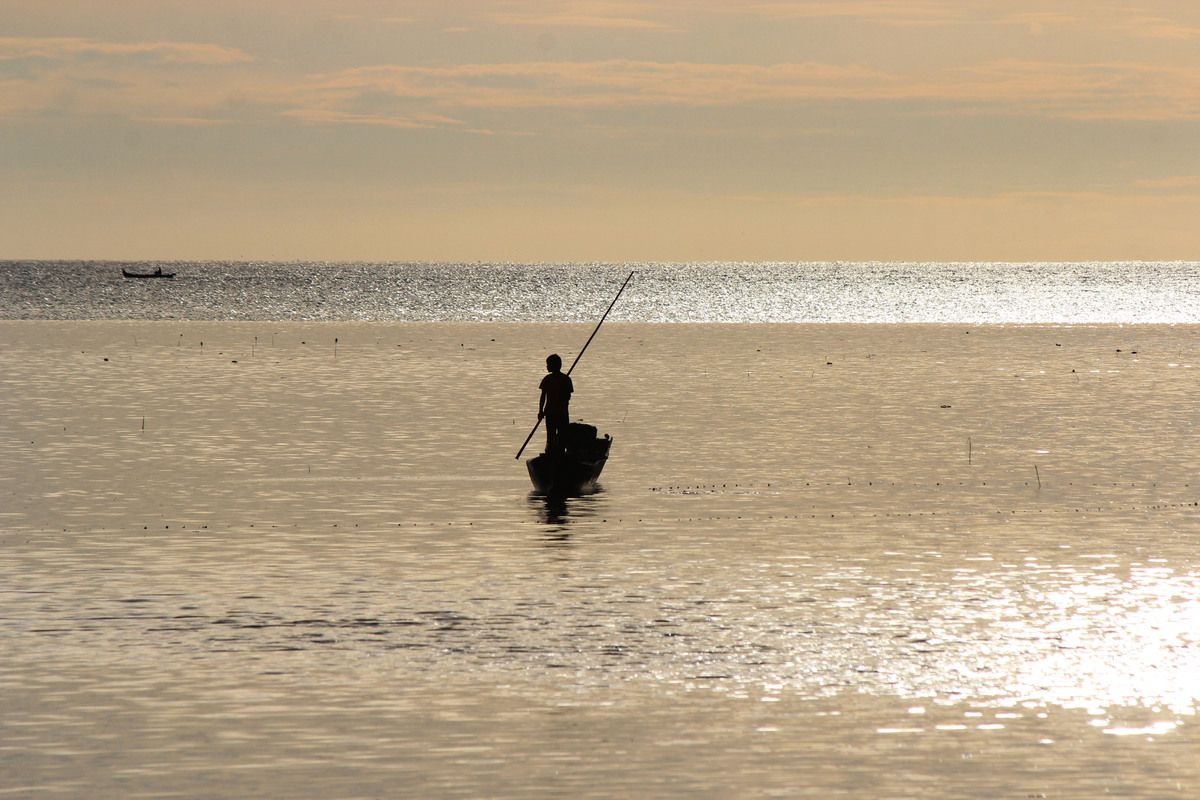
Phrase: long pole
(581, 352)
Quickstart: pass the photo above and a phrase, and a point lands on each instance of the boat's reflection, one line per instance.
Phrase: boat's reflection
(559, 512)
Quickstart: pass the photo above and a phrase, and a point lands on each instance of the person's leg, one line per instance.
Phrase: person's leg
(556, 431)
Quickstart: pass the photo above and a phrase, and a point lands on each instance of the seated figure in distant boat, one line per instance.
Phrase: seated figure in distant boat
(555, 404)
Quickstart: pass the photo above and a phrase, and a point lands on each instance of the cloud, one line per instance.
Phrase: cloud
(1112, 90)
(186, 122)
(1077, 91)
(598, 84)
(178, 83)
(582, 21)
(1173, 182)
(190, 82)
(1074, 15)
(885, 12)
(580, 14)
(1162, 28)
(1037, 22)
(64, 49)
(333, 116)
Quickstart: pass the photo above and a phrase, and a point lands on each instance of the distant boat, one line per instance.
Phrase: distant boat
(156, 274)
(575, 471)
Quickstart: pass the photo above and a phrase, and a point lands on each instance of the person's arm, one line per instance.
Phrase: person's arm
(542, 405)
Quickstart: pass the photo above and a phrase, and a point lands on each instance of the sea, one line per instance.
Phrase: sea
(826, 292)
(867, 530)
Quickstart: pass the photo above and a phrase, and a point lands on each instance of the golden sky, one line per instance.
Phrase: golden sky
(575, 130)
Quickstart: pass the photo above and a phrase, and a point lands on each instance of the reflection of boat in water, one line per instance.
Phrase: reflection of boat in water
(575, 471)
(158, 273)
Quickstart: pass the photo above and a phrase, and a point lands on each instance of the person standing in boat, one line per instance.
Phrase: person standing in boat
(555, 404)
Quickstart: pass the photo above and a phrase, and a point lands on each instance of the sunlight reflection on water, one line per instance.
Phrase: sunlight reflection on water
(696, 616)
(841, 292)
(308, 566)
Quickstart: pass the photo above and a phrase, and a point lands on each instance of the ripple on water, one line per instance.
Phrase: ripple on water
(293, 570)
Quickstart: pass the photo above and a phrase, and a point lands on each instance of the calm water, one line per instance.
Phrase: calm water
(1091, 292)
(262, 533)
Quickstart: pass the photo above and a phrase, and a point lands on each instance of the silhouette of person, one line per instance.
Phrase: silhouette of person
(555, 404)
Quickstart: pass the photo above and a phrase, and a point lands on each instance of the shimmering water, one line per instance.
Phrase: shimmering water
(299, 560)
(1087, 292)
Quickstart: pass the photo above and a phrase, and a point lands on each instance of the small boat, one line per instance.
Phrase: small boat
(156, 274)
(575, 471)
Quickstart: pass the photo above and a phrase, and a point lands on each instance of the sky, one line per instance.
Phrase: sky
(581, 130)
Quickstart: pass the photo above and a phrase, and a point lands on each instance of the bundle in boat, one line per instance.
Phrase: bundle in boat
(576, 470)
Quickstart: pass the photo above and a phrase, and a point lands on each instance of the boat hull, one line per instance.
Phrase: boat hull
(565, 474)
(168, 275)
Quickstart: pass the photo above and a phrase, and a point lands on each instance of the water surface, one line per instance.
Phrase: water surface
(299, 560)
(837, 292)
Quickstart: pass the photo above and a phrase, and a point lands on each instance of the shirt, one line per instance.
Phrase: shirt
(558, 388)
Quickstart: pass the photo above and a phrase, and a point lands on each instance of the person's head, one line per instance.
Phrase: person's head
(553, 363)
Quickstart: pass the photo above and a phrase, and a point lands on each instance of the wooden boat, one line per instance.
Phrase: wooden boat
(158, 274)
(575, 471)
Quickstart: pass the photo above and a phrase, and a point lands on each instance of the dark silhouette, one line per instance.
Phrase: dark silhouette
(158, 273)
(552, 511)
(554, 406)
(576, 361)
(557, 513)
(574, 455)
(575, 469)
